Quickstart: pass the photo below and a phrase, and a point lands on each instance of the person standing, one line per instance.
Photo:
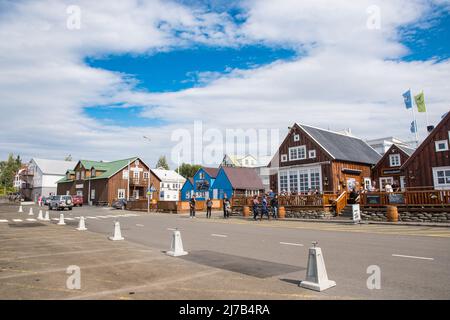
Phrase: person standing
(192, 207)
(274, 205)
(255, 207)
(264, 208)
(208, 208)
(227, 208)
(225, 198)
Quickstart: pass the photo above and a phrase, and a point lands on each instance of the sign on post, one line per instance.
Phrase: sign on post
(356, 212)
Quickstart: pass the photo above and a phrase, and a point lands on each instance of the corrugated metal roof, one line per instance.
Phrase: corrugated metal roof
(343, 147)
(168, 175)
(243, 178)
(54, 167)
(212, 172)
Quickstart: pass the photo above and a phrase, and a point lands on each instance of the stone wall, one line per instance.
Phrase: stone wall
(308, 214)
(411, 215)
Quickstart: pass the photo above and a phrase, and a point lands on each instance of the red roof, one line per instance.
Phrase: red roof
(243, 178)
(211, 171)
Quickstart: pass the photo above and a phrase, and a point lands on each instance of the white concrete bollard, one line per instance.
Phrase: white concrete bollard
(20, 209)
(117, 233)
(47, 216)
(30, 213)
(61, 220)
(316, 274)
(40, 217)
(81, 225)
(176, 247)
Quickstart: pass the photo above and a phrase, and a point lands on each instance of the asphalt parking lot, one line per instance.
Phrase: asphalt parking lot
(228, 259)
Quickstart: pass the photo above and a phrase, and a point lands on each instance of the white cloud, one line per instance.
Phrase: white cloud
(343, 80)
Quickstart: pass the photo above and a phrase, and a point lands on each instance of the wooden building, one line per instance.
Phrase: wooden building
(105, 182)
(429, 166)
(200, 185)
(312, 159)
(236, 182)
(389, 169)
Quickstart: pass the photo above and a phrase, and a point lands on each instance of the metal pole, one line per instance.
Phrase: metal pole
(415, 121)
(128, 189)
(148, 193)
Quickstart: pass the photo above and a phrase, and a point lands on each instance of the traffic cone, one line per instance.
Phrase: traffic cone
(40, 217)
(316, 274)
(176, 247)
(20, 209)
(61, 220)
(81, 225)
(117, 234)
(31, 212)
(47, 216)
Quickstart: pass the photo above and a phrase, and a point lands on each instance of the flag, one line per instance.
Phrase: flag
(413, 128)
(407, 99)
(420, 102)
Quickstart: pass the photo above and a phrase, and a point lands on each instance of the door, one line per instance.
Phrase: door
(351, 184)
(384, 181)
(402, 183)
(215, 194)
(136, 194)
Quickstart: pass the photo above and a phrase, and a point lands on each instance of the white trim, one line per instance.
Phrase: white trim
(436, 143)
(370, 182)
(297, 148)
(312, 152)
(309, 170)
(395, 156)
(296, 137)
(390, 179)
(119, 191)
(284, 158)
(437, 185)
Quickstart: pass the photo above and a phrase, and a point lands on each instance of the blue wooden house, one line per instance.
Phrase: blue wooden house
(200, 184)
(236, 182)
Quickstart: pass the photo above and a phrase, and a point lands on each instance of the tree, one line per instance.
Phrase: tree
(188, 170)
(8, 170)
(162, 163)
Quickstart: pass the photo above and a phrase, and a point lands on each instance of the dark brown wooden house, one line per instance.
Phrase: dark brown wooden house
(104, 182)
(389, 168)
(429, 166)
(312, 159)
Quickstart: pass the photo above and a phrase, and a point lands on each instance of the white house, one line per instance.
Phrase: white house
(45, 173)
(170, 184)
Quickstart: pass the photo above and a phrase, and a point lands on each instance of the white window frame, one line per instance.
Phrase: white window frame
(308, 171)
(389, 179)
(125, 174)
(303, 148)
(119, 192)
(437, 185)
(92, 194)
(296, 137)
(438, 142)
(284, 158)
(393, 157)
(136, 174)
(77, 175)
(82, 174)
(312, 154)
(146, 175)
(136, 194)
(367, 183)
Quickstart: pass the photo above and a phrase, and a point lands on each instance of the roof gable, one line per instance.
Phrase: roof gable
(243, 178)
(406, 152)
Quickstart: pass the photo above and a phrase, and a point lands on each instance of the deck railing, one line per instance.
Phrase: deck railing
(406, 198)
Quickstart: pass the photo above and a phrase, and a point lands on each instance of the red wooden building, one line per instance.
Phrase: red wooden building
(389, 169)
(429, 166)
(311, 159)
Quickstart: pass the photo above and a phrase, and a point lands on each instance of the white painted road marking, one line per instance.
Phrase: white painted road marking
(89, 217)
(70, 219)
(139, 225)
(292, 244)
(219, 235)
(412, 257)
(3, 220)
(17, 220)
(32, 220)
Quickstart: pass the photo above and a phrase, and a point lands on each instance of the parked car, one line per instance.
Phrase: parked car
(61, 203)
(46, 200)
(77, 201)
(119, 204)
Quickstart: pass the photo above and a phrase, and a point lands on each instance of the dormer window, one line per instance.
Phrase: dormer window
(394, 160)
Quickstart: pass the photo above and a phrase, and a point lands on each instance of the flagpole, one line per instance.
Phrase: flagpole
(426, 114)
(414, 119)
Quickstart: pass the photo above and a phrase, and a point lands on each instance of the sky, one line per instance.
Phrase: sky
(155, 68)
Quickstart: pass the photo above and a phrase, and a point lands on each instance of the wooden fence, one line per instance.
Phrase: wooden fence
(430, 198)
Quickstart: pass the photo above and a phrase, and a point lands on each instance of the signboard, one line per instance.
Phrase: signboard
(79, 186)
(373, 199)
(202, 185)
(356, 211)
(396, 198)
(391, 171)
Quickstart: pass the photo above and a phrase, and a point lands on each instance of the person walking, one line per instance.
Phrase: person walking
(264, 208)
(274, 205)
(227, 208)
(208, 208)
(192, 207)
(225, 198)
(255, 207)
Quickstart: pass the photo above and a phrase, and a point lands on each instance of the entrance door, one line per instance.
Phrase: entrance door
(384, 181)
(402, 183)
(351, 184)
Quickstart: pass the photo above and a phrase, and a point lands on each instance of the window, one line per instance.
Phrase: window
(441, 145)
(136, 174)
(367, 184)
(312, 154)
(283, 157)
(146, 174)
(394, 160)
(385, 181)
(304, 181)
(80, 193)
(78, 175)
(283, 181)
(82, 175)
(92, 194)
(121, 194)
(201, 175)
(297, 153)
(136, 194)
(93, 172)
(293, 181)
(296, 137)
(441, 177)
(315, 179)
(125, 174)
